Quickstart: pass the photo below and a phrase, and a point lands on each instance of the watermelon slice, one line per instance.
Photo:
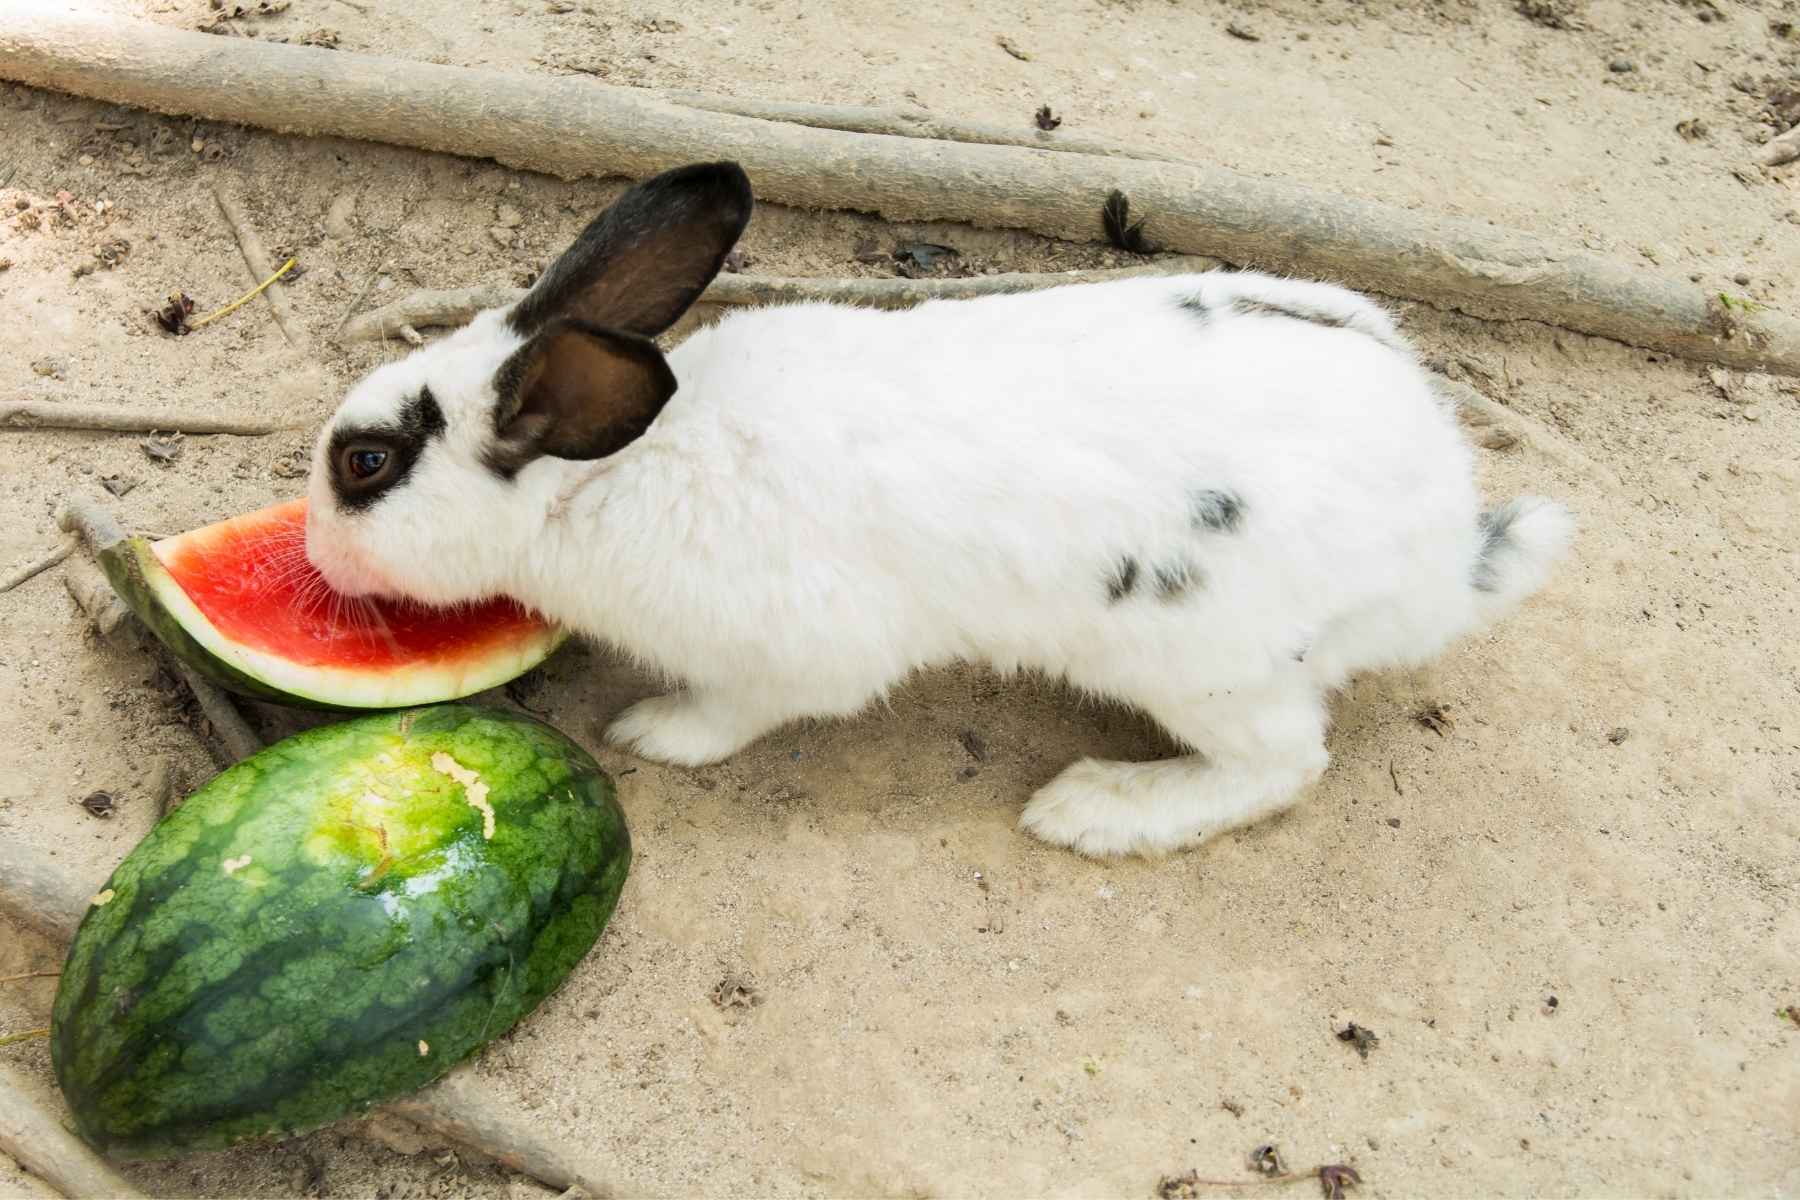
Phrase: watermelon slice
(239, 602)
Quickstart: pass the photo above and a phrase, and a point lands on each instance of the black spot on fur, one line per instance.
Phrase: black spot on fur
(403, 440)
(1249, 307)
(1216, 511)
(1195, 306)
(1496, 531)
(1123, 580)
(1174, 580)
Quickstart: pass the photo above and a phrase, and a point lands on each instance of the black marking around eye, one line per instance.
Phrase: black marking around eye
(1123, 580)
(1175, 579)
(419, 420)
(1216, 511)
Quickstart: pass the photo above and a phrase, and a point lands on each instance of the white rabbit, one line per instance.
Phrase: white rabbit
(1213, 496)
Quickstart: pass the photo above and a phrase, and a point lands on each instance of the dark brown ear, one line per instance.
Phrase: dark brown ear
(576, 392)
(643, 261)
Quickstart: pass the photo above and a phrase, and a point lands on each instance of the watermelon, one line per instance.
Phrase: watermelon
(331, 923)
(240, 603)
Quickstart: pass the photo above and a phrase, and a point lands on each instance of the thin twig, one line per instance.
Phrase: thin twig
(28, 1035)
(248, 296)
(458, 306)
(360, 297)
(260, 266)
(29, 975)
(38, 566)
(48, 414)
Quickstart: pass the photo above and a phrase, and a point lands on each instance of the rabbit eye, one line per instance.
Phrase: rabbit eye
(365, 463)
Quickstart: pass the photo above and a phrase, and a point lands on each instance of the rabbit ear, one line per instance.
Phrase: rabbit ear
(576, 392)
(643, 261)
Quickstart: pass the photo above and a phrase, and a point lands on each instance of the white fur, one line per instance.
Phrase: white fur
(838, 497)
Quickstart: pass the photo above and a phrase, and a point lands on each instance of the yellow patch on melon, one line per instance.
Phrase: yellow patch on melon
(103, 898)
(234, 865)
(424, 1049)
(474, 791)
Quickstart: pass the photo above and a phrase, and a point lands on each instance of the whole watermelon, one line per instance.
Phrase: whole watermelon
(331, 923)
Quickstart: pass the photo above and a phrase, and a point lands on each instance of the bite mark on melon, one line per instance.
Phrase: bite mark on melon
(474, 791)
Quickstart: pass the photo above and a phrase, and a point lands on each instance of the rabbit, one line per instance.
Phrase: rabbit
(1213, 496)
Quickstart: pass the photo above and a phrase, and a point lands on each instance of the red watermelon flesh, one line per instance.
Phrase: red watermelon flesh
(242, 594)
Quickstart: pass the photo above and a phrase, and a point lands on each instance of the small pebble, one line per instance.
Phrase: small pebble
(197, 145)
(1621, 66)
(86, 160)
(1753, 412)
(1741, 279)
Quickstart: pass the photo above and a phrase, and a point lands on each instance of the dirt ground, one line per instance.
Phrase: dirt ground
(1569, 911)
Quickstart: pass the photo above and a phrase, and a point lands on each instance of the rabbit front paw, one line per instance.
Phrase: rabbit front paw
(684, 729)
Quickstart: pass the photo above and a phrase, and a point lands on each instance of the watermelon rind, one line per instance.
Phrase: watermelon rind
(147, 587)
(333, 923)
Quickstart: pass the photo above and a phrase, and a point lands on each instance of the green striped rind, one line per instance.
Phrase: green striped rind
(134, 571)
(258, 965)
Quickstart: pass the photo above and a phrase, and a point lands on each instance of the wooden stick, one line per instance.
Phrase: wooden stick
(574, 127)
(237, 740)
(45, 894)
(94, 595)
(465, 1108)
(42, 1146)
(458, 306)
(38, 566)
(908, 122)
(48, 414)
(261, 268)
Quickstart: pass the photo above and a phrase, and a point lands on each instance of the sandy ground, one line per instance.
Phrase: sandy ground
(1570, 915)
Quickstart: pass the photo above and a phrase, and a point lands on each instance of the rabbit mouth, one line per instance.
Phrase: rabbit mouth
(341, 566)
